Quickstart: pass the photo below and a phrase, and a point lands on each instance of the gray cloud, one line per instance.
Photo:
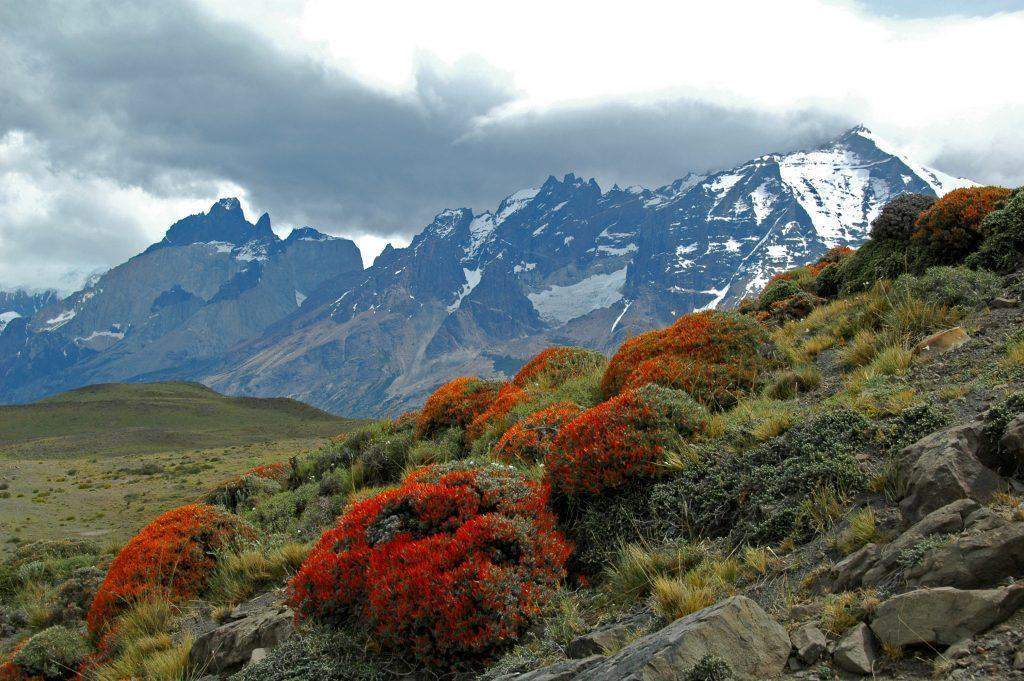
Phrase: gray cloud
(169, 99)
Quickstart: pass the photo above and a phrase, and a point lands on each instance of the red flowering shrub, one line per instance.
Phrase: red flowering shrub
(452, 565)
(172, 557)
(508, 397)
(530, 440)
(949, 230)
(9, 671)
(620, 440)
(456, 403)
(555, 365)
(709, 338)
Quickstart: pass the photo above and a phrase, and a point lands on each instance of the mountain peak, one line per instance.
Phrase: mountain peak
(228, 205)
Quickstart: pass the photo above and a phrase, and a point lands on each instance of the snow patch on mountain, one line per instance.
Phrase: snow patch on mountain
(559, 304)
(472, 279)
(940, 182)
(6, 318)
(514, 203)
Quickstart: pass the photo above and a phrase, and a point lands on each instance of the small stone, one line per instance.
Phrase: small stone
(809, 642)
(856, 652)
(942, 341)
(1003, 302)
(258, 654)
(1018, 660)
(959, 649)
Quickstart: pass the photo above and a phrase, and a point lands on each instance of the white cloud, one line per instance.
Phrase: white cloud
(370, 245)
(936, 86)
(59, 227)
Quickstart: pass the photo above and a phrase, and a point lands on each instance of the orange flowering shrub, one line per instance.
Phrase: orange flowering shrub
(452, 565)
(620, 440)
(709, 338)
(172, 557)
(949, 230)
(508, 397)
(555, 365)
(456, 403)
(9, 671)
(530, 440)
(547, 371)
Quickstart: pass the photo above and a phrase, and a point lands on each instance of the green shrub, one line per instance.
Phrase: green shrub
(871, 262)
(755, 496)
(600, 525)
(956, 287)
(897, 219)
(913, 423)
(1002, 247)
(278, 512)
(53, 653)
(710, 668)
(777, 290)
(321, 654)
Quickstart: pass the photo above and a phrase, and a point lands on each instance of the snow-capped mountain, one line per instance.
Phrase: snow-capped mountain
(213, 281)
(475, 292)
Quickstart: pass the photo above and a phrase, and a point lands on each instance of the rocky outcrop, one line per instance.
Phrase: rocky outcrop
(943, 616)
(737, 631)
(941, 341)
(607, 639)
(944, 467)
(962, 544)
(1012, 441)
(261, 623)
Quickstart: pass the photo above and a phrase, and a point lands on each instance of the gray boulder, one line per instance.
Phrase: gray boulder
(561, 671)
(606, 639)
(809, 642)
(736, 630)
(943, 616)
(857, 651)
(974, 559)
(261, 623)
(1012, 441)
(944, 467)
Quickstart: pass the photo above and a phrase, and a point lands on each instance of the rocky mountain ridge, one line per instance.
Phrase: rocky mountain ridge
(474, 293)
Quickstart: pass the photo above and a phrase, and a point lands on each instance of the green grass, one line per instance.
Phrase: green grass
(103, 461)
(119, 419)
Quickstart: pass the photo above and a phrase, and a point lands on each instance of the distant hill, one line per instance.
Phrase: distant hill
(116, 419)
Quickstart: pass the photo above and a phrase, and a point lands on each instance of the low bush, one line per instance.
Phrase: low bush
(756, 495)
(554, 366)
(53, 653)
(455, 404)
(266, 479)
(897, 221)
(950, 229)
(530, 440)
(621, 440)
(171, 557)
(728, 339)
(953, 287)
(452, 565)
(1002, 247)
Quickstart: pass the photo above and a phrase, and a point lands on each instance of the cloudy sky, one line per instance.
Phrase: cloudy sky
(116, 118)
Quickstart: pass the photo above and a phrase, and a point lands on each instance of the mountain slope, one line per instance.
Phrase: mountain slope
(568, 263)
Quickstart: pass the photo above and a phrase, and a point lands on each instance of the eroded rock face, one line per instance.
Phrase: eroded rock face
(809, 643)
(944, 467)
(263, 622)
(736, 630)
(962, 544)
(943, 616)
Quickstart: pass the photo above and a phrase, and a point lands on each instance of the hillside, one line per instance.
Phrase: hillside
(143, 418)
(824, 482)
(98, 461)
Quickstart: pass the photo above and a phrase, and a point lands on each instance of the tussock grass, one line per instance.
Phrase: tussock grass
(821, 509)
(762, 417)
(674, 598)
(1014, 354)
(636, 567)
(141, 645)
(758, 560)
(789, 383)
(890, 480)
(861, 530)
(242, 573)
(843, 610)
(861, 349)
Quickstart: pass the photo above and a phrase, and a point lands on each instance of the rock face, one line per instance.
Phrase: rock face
(962, 544)
(606, 639)
(857, 651)
(217, 300)
(255, 626)
(943, 467)
(1012, 441)
(736, 630)
(944, 615)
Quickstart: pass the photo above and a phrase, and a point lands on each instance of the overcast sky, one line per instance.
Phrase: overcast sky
(116, 118)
